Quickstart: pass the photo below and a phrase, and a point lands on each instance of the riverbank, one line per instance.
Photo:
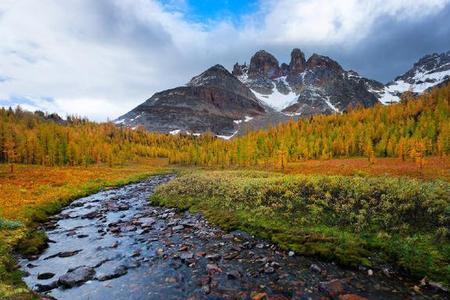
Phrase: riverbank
(354, 220)
(32, 193)
(115, 244)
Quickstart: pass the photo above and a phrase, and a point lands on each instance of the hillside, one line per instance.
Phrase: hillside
(412, 129)
(265, 93)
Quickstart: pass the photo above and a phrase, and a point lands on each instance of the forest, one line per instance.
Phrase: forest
(410, 130)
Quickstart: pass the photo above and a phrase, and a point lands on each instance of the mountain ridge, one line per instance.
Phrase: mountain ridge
(211, 101)
(265, 92)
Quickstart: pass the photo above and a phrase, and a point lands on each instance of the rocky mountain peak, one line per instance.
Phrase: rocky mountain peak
(265, 92)
(432, 63)
(215, 75)
(264, 64)
(298, 62)
(429, 71)
(237, 70)
(320, 61)
(214, 101)
(304, 87)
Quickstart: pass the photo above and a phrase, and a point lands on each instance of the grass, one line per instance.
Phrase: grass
(354, 220)
(435, 167)
(32, 193)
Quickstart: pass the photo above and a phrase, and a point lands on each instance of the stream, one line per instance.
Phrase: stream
(116, 245)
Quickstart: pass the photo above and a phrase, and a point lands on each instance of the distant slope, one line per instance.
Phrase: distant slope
(430, 71)
(213, 101)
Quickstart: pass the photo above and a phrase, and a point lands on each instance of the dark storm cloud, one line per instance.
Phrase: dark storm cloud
(111, 24)
(392, 47)
(388, 50)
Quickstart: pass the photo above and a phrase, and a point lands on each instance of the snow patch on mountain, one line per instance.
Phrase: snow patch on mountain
(175, 132)
(245, 120)
(388, 97)
(327, 101)
(227, 137)
(277, 100)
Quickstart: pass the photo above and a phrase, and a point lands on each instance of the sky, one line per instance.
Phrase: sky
(101, 58)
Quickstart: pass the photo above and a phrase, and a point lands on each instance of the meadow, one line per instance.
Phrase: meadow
(354, 220)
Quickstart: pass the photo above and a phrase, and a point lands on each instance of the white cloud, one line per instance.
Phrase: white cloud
(334, 22)
(101, 58)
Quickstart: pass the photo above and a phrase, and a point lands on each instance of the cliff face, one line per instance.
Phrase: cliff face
(302, 88)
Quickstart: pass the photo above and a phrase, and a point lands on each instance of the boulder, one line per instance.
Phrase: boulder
(76, 277)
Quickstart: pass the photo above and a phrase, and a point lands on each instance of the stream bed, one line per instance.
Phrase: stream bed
(116, 245)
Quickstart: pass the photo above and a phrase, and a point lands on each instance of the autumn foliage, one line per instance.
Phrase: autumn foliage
(410, 130)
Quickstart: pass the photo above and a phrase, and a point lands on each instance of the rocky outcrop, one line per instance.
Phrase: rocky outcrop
(264, 64)
(213, 101)
(296, 66)
(238, 69)
(54, 117)
(318, 85)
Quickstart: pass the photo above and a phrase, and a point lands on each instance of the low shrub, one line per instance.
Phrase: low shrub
(347, 219)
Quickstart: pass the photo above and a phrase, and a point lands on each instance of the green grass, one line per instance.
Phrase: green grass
(352, 220)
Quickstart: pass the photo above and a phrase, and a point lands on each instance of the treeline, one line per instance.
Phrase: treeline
(31, 138)
(411, 130)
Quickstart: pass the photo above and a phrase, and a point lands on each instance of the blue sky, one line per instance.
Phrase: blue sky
(102, 58)
(203, 10)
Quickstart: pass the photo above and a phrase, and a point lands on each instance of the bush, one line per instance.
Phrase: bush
(8, 224)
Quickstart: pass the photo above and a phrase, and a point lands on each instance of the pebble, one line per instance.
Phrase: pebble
(333, 287)
(178, 228)
(186, 255)
(315, 268)
(45, 276)
(213, 268)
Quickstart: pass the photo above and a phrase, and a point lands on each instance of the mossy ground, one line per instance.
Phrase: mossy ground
(352, 220)
(42, 196)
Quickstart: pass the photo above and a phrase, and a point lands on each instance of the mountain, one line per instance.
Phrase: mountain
(266, 92)
(213, 101)
(303, 87)
(430, 71)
